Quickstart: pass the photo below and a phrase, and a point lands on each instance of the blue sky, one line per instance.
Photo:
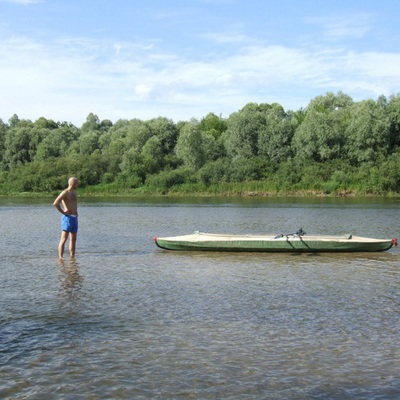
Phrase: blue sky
(182, 59)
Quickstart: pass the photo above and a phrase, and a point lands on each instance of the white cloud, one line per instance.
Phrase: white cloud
(224, 37)
(69, 78)
(142, 91)
(343, 26)
(24, 2)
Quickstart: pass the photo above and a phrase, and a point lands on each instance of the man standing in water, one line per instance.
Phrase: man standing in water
(67, 204)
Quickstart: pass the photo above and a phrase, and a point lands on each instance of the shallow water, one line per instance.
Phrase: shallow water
(127, 320)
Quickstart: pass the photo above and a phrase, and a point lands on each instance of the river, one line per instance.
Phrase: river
(126, 320)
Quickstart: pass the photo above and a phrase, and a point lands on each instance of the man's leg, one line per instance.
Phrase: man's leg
(61, 245)
(72, 244)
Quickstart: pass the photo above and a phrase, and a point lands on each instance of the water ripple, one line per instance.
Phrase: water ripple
(126, 320)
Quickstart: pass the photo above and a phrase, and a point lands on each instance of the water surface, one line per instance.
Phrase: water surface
(127, 320)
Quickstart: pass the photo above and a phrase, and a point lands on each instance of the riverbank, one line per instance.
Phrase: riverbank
(245, 189)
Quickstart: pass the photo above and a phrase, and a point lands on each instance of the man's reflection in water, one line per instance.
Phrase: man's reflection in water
(70, 280)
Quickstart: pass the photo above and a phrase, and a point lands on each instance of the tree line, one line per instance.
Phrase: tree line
(334, 146)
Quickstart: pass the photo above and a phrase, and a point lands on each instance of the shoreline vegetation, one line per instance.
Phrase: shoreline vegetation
(248, 189)
(336, 147)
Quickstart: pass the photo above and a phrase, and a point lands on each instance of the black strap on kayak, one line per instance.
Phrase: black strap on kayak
(300, 232)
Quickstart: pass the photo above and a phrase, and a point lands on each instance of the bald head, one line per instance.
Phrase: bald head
(73, 182)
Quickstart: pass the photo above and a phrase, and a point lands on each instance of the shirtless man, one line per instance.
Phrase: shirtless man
(67, 204)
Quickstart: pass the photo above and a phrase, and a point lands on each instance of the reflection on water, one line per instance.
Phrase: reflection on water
(70, 280)
(126, 320)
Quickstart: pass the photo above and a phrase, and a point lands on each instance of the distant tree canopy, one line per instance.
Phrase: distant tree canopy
(333, 145)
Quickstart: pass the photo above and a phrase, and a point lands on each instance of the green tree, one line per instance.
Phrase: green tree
(243, 130)
(215, 171)
(137, 135)
(393, 113)
(274, 142)
(57, 142)
(190, 146)
(152, 155)
(321, 136)
(89, 142)
(91, 132)
(3, 130)
(14, 121)
(248, 169)
(113, 144)
(367, 133)
(213, 147)
(169, 178)
(166, 131)
(92, 123)
(213, 125)
(17, 146)
(40, 130)
(17, 141)
(331, 102)
(43, 123)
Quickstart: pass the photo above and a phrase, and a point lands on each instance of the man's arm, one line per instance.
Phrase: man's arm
(57, 202)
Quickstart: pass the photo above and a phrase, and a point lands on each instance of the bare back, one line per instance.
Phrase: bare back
(69, 202)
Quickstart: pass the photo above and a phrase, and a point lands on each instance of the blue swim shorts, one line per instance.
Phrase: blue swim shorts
(69, 223)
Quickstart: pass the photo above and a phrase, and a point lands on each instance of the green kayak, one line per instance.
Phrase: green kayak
(297, 242)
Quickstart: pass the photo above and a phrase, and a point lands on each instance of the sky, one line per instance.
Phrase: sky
(184, 59)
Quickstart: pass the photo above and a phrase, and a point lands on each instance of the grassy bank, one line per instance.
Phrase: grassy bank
(243, 189)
